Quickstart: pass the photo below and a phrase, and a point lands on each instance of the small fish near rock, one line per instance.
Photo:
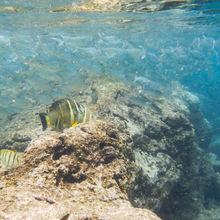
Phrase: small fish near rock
(64, 113)
(9, 158)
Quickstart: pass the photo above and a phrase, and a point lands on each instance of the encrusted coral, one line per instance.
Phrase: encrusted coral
(85, 172)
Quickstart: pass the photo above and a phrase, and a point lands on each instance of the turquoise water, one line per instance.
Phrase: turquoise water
(43, 55)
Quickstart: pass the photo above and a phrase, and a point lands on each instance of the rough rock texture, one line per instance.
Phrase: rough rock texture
(172, 174)
(214, 161)
(203, 129)
(83, 173)
(215, 146)
(175, 177)
(212, 214)
(20, 129)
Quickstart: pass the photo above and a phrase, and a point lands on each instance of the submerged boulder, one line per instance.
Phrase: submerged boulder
(86, 172)
(166, 150)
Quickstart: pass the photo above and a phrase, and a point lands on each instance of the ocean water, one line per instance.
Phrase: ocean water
(45, 54)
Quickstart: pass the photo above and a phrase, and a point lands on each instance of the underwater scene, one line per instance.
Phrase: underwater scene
(110, 109)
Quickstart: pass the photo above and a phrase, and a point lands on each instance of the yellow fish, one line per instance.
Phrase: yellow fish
(9, 158)
(64, 113)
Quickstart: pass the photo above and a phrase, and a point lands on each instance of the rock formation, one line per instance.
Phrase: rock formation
(153, 159)
(84, 173)
(165, 147)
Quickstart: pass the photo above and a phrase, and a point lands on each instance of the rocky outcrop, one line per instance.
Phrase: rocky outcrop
(84, 173)
(19, 129)
(215, 146)
(203, 129)
(167, 170)
(165, 148)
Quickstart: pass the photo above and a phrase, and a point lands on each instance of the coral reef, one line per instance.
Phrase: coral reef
(165, 147)
(215, 146)
(154, 158)
(19, 129)
(214, 161)
(83, 173)
(202, 127)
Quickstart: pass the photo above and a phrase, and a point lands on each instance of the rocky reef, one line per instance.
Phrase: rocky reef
(146, 149)
(175, 179)
(84, 173)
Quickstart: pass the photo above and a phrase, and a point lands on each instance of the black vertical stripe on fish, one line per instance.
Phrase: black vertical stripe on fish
(43, 120)
(14, 158)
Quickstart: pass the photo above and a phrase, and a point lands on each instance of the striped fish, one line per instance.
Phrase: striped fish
(64, 113)
(9, 158)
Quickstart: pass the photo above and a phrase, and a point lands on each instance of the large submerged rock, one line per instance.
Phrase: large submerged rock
(84, 173)
(175, 178)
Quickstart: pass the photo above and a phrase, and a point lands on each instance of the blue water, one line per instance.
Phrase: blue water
(43, 55)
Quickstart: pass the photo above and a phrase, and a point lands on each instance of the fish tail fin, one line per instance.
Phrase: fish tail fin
(43, 120)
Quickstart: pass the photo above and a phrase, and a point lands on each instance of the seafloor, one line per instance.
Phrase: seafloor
(142, 150)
